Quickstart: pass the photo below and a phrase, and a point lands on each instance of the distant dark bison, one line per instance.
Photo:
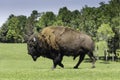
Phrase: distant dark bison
(55, 42)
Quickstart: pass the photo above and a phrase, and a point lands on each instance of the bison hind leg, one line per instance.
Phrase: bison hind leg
(93, 58)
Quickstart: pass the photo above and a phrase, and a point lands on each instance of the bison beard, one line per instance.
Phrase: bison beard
(56, 42)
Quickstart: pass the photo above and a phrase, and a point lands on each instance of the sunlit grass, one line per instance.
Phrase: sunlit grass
(16, 64)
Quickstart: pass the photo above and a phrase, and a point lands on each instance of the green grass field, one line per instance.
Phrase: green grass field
(16, 64)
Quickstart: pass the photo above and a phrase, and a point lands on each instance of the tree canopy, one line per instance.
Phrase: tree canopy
(99, 22)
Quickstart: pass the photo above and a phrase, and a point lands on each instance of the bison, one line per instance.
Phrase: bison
(56, 42)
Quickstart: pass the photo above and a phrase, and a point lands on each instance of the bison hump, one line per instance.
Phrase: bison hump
(49, 37)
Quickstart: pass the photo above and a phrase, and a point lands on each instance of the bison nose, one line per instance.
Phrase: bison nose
(34, 58)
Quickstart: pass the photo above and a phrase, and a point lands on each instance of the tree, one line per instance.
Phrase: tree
(89, 20)
(13, 31)
(65, 16)
(3, 32)
(47, 19)
(31, 24)
(22, 26)
(105, 32)
(114, 6)
(116, 29)
(75, 19)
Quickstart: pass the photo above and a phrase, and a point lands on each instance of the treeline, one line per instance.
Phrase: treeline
(102, 22)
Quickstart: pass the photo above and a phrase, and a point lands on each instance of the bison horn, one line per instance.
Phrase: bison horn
(34, 39)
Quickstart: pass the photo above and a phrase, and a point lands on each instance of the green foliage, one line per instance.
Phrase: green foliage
(31, 24)
(58, 23)
(105, 32)
(12, 33)
(88, 20)
(47, 19)
(64, 15)
(116, 22)
(3, 32)
(75, 19)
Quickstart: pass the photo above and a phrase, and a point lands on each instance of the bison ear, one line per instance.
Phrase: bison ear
(34, 39)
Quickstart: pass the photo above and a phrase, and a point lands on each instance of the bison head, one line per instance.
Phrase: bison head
(33, 47)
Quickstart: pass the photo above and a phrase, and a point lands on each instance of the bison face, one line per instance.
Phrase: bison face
(32, 46)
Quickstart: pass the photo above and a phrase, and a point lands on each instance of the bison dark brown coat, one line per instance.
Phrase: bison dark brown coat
(55, 42)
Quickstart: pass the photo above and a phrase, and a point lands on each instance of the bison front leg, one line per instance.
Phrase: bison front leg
(57, 61)
(81, 57)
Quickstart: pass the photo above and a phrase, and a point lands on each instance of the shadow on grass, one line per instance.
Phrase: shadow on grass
(103, 60)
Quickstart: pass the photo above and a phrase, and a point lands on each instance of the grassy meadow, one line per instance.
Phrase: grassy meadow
(16, 64)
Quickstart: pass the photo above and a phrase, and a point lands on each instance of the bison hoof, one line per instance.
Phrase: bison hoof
(75, 67)
(62, 66)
